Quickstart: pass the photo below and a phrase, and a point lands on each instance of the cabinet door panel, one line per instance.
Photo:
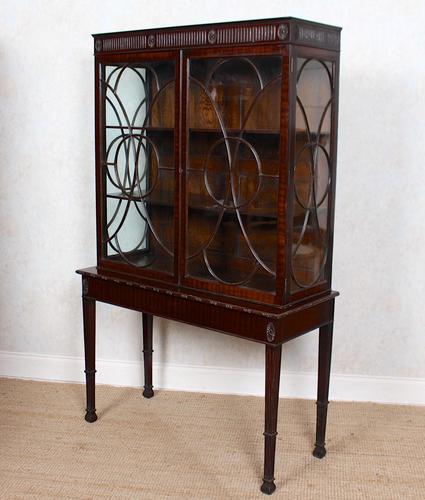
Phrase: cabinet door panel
(139, 165)
(233, 119)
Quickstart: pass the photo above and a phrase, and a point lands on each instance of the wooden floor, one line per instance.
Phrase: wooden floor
(196, 446)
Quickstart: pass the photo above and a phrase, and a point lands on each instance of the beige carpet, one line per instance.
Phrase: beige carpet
(186, 445)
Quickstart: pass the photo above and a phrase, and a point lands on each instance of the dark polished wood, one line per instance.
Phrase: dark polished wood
(281, 30)
(325, 353)
(147, 354)
(242, 319)
(89, 319)
(238, 236)
(273, 361)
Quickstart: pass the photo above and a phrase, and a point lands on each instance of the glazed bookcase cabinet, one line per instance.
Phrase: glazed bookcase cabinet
(215, 188)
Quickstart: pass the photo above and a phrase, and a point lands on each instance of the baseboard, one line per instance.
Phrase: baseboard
(212, 379)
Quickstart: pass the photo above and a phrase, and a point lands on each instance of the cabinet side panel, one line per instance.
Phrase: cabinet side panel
(334, 150)
(313, 171)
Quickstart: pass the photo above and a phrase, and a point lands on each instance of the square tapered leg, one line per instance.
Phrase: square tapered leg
(273, 361)
(147, 354)
(325, 354)
(89, 320)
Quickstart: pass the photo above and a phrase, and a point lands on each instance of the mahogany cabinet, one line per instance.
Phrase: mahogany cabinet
(215, 188)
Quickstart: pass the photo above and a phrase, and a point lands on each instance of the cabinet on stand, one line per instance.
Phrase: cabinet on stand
(215, 187)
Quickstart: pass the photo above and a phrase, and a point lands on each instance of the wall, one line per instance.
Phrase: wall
(47, 213)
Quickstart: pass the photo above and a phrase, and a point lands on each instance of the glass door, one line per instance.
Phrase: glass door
(233, 154)
(312, 173)
(138, 165)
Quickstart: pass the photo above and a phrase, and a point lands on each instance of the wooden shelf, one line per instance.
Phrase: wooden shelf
(194, 203)
(231, 267)
(234, 131)
(303, 132)
(149, 128)
(142, 258)
(157, 200)
(231, 131)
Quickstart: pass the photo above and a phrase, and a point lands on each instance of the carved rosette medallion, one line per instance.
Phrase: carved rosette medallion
(270, 332)
(212, 36)
(282, 31)
(98, 45)
(151, 40)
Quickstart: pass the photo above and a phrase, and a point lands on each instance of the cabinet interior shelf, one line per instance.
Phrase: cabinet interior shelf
(230, 131)
(194, 203)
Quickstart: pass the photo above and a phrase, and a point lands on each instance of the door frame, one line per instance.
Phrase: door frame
(128, 58)
(216, 287)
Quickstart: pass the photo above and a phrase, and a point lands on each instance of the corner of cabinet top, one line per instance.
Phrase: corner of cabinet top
(276, 30)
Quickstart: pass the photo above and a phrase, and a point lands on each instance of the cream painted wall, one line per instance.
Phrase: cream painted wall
(47, 215)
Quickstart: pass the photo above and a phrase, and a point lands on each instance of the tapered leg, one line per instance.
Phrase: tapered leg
(147, 354)
(273, 360)
(89, 319)
(325, 353)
